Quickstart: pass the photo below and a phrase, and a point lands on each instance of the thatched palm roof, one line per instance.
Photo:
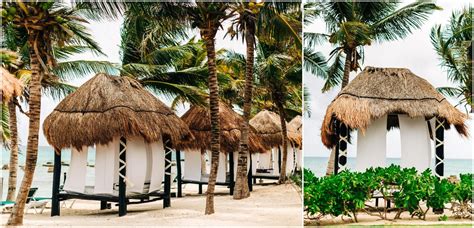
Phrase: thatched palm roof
(376, 92)
(295, 131)
(198, 120)
(11, 86)
(268, 127)
(106, 107)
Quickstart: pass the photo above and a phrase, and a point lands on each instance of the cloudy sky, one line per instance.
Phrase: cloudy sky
(415, 53)
(107, 34)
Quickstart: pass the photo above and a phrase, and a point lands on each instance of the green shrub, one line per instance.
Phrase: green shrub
(347, 192)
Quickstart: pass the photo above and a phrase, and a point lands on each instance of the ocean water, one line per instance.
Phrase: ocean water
(451, 166)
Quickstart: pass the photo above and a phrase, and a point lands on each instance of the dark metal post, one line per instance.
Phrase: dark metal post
(343, 140)
(336, 154)
(231, 173)
(178, 168)
(439, 154)
(55, 208)
(439, 148)
(168, 151)
(250, 174)
(103, 204)
(122, 175)
(279, 159)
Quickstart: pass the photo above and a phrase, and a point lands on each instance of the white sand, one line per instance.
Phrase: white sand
(268, 205)
(365, 219)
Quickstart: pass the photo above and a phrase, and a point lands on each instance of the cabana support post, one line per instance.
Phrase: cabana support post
(343, 140)
(168, 151)
(336, 154)
(55, 209)
(279, 159)
(122, 173)
(439, 148)
(179, 173)
(231, 172)
(250, 174)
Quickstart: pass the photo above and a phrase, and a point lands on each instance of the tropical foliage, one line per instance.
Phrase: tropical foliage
(349, 193)
(453, 44)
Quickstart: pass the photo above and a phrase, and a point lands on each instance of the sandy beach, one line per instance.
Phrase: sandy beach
(406, 220)
(271, 205)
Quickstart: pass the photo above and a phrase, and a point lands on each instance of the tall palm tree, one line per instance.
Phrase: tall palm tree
(353, 25)
(453, 44)
(208, 18)
(46, 24)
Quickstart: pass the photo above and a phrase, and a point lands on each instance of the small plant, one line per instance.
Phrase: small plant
(443, 218)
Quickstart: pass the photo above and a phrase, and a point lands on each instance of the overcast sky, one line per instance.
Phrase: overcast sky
(107, 35)
(415, 53)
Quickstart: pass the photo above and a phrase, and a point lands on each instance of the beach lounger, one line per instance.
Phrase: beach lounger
(31, 202)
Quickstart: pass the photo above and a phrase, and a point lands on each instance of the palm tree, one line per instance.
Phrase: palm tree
(208, 18)
(453, 44)
(353, 25)
(45, 25)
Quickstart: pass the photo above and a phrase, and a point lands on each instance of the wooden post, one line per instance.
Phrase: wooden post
(231, 173)
(439, 148)
(200, 189)
(168, 151)
(178, 168)
(343, 141)
(250, 174)
(55, 208)
(336, 154)
(122, 174)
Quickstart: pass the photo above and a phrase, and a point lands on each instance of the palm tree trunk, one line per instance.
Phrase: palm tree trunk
(281, 111)
(241, 189)
(215, 125)
(13, 167)
(345, 81)
(16, 217)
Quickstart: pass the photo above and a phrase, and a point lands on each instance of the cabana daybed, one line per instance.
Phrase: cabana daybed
(379, 99)
(195, 168)
(133, 134)
(268, 165)
(295, 131)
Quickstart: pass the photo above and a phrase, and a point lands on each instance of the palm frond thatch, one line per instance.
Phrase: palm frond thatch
(199, 122)
(106, 107)
(376, 92)
(295, 131)
(10, 85)
(268, 127)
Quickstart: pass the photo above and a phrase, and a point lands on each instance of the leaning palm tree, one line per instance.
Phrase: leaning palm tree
(353, 25)
(453, 44)
(46, 25)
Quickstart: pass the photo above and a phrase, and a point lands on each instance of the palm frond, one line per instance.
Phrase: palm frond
(315, 63)
(403, 21)
(81, 68)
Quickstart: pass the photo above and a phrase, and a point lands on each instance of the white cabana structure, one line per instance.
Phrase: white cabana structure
(133, 134)
(379, 99)
(268, 165)
(197, 154)
(295, 134)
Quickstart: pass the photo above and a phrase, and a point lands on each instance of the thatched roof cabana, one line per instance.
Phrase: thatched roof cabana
(11, 86)
(198, 120)
(295, 131)
(376, 92)
(106, 107)
(268, 127)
